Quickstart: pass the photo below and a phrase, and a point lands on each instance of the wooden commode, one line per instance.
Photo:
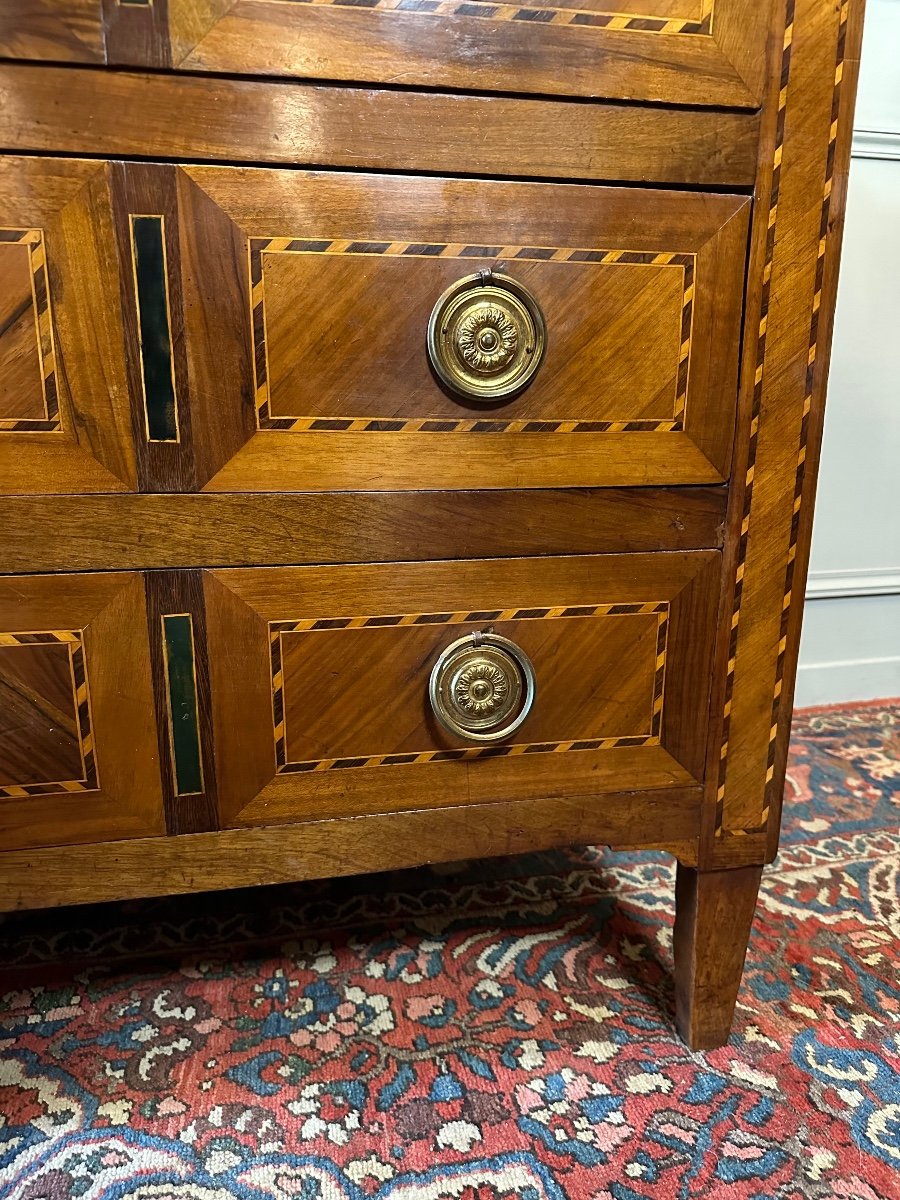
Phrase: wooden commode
(409, 420)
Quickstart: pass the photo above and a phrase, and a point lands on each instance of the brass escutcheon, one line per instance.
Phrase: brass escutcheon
(486, 336)
(482, 687)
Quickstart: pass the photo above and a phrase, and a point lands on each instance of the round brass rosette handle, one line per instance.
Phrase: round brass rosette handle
(482, 687)
(486, 336)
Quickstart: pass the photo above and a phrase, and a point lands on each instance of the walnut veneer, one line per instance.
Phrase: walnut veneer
(243, 514)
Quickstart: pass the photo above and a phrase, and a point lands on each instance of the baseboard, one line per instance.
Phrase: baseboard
(876, 143)
(828, 585)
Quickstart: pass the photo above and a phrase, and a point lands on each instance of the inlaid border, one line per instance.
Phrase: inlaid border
(89, 781)
(812, 352)
(660, 609)
(43, 320)
(756, 408)
(265, 421)
(617, 22)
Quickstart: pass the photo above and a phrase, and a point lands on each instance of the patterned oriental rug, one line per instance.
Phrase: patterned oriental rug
(494, 1031)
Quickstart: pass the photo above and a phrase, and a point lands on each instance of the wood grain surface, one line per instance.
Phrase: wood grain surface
(89, 447)
(319, 849)
(59, 31)
(72, 533)
(714, 916)
(193, 118)
(706, 52)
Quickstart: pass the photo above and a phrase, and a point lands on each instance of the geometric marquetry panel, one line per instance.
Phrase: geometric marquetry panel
(46, 741)
(29, 396)
(65, 419)
(78, 738)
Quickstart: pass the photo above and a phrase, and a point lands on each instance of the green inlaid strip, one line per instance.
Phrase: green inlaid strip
(149, 250)
(184, 725)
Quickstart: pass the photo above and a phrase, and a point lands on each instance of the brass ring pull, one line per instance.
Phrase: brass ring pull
(482, 687)
(486, 336)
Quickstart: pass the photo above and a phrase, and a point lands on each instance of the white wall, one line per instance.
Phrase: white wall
(851, 634)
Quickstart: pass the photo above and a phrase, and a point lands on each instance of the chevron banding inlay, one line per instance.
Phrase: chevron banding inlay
(617, 22)
(32, 242)
(332, 624)
(88, 781)
(260, 247)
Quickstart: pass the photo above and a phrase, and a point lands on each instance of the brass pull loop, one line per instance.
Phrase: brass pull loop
(486, 336)
(482, 687)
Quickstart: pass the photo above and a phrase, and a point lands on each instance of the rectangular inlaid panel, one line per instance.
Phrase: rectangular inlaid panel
(46, 742)
(61, 31)
(28, 383)
(355, 696)
(339, 329)
(151, 290)
(176, 625)
(184, 724)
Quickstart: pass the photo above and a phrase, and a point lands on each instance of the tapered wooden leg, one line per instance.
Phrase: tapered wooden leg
(713, 915)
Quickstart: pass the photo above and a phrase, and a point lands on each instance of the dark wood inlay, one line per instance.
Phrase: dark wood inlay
(176, 623)
(148, 244)
(178, 643)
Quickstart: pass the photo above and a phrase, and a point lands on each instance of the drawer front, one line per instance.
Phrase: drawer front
(307, 301)
(330, 694)
(65, 417)
(244, 330)
(78, 746)
(675, 51)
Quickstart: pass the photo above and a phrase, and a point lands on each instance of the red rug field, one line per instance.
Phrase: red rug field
(498, 1031)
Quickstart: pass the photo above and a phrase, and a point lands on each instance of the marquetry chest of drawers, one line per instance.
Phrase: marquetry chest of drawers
(409, 414)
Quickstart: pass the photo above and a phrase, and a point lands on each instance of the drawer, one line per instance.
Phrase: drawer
(351, 689)
(708, 52)
(246, 330)
(308, 299)
(78, 743)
